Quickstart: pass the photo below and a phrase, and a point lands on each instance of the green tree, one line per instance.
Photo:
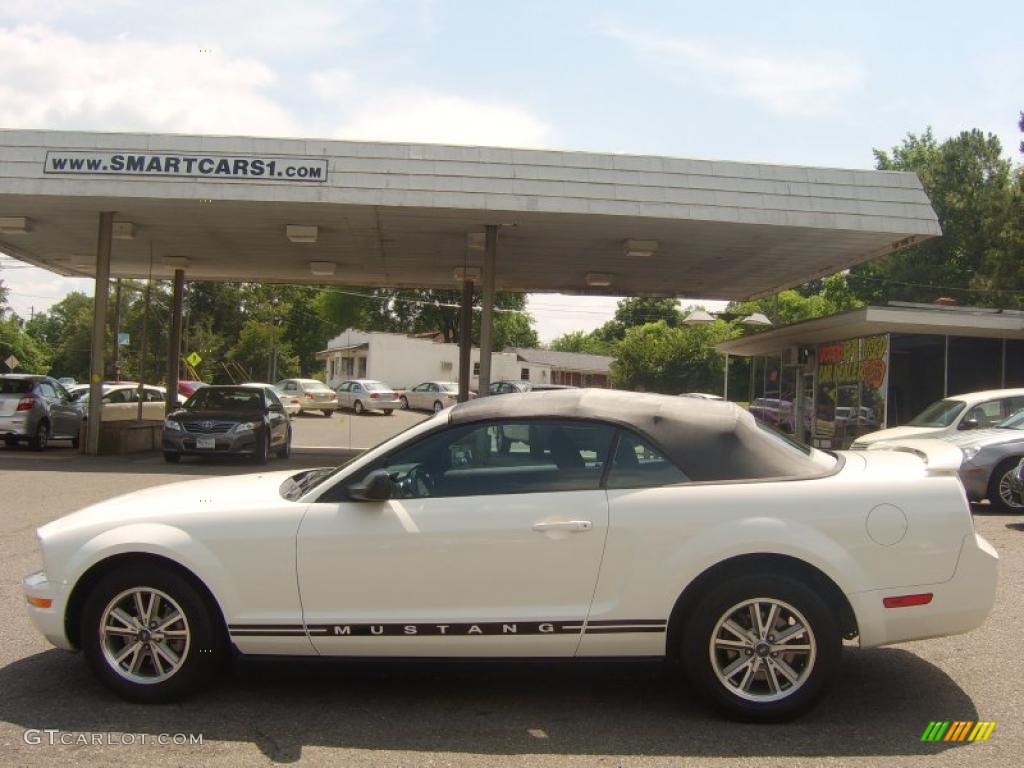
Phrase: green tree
(972, 188)
(67, 330)
(832, 295)
(33, 356)
(263, 352)
(657, 357)
(514, 329)
(581, 341)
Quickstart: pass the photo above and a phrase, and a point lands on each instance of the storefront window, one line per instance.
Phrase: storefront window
(852, 381)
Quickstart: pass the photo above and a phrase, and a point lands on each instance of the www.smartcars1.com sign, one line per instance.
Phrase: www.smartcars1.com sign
(201, 166)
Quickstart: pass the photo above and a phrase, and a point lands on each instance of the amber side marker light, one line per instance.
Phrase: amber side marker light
(40, 602)
(904, 600)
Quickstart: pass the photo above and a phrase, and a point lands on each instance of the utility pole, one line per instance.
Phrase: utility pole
(115, 358)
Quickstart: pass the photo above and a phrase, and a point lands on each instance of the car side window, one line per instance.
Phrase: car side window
(637, 464)
(432, 388)
(272, 399)
(47, 391)
(154, 396)
(986, 414)
(503, 457)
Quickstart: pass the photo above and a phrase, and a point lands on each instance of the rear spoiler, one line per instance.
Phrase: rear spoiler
(938, 456)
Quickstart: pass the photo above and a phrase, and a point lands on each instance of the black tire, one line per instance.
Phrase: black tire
(285, 451)
(201, 657)
(388, 411)
(995, 495)
(41, 438)
(815, 670)
(11, 441)
(172, 458)
(76, 441)
(438, 406)
(358, 408)
(328, 413)
(404, 401)
(262, 454)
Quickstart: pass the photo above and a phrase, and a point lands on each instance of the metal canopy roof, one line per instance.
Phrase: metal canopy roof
(894, 318)
(401, 215)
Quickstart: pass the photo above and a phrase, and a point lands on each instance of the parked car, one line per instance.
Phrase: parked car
(1017, 480)
(513, 386)
(121, 402)
(430, 396)
(775, 412)
(974, 410)
(292, 403)
(639, 525)
(37, 409)
(991, 459)
(188, 388)
(314, 395)
(66, 381)
(363, 395)
(229, 419)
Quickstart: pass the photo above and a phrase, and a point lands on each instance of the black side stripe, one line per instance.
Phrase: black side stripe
(454, 629)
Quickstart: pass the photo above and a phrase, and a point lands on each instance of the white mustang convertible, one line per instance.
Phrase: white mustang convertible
(564, 524)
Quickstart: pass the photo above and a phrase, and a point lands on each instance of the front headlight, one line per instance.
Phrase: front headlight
(245, 426)
(174, 426)
(970, 453)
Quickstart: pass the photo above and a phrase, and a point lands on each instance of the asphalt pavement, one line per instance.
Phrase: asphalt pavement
(479, 714)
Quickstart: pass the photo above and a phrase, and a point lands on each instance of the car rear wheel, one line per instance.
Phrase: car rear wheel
(438, 406)
(172, 458)
(404, 402)
(358, 408)
(149, 635)
(1000, 490)
(761, 647)
(41, 438)
(327, 412)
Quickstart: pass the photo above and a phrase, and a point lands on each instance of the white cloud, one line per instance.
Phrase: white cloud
(50, 79)
(331, 84)
(440, 118)
(785, 83)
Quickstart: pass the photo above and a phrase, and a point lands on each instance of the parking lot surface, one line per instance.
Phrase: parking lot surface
(493, 714)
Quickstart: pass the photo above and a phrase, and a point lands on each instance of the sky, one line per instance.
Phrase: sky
(789, 82)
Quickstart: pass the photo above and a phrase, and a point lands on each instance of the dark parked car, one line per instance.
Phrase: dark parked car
(511, 387)
(37, 409)
(241, 420)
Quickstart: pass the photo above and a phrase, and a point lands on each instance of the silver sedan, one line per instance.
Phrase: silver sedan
(431, 396)
(991, 457)
(367, 395)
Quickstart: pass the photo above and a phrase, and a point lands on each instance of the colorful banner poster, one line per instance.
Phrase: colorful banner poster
(852, 381)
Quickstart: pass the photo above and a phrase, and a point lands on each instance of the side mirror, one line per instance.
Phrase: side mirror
(376, 486)
(969, 424)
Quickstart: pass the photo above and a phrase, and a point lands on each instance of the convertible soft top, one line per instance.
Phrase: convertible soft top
(708, 440)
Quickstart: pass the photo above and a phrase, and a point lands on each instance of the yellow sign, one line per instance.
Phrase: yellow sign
(194, 359)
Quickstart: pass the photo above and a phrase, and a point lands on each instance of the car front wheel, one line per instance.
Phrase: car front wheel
(762, 647)
(1000, 488)
(41, 438)
(358, 408)
(262, 454)
(149, 635)
(404, 403)
(286, 450)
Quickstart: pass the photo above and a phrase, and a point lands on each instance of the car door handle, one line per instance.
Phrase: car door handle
(568, 525)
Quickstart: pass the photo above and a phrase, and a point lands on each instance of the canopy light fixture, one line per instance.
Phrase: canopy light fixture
(15, 225)
(122, 230)
(699, 317)
(462, 274)
(640, 249)
(322, 268)
(757, 319)
(174, 262)
(703, 317)
(302, 233)
(599, 279)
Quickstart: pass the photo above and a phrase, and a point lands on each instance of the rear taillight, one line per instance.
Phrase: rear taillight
(26, 403)
(905, 601)
(374, 395)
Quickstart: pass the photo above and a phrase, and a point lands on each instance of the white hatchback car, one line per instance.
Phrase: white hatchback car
(615, 525)
(974, 410)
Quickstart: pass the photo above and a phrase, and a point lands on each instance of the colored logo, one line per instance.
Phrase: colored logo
(958, 730)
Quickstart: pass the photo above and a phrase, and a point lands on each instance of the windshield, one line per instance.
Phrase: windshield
(16, 386)
(449, 386)
(315, 386)
(376, 386)
(234, 399)
(1014, 422)
(940, 414)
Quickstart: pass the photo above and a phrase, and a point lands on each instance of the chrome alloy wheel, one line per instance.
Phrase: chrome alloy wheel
(144, 635)
(1010, 499)
(762, 649)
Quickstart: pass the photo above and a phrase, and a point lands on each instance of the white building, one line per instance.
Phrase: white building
(404, 361)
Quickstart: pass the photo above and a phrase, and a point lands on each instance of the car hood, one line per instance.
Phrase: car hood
(897, 433)
(174, 503)
(979, 438)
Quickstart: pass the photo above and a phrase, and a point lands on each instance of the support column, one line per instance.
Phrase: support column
(99, 331)
(487, 310)
(115, 356)
(725, 382)
(465, 339)
(174, 343)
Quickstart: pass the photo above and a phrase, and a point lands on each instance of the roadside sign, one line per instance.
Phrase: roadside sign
(194, 359)
(12, 362)
(122, 339)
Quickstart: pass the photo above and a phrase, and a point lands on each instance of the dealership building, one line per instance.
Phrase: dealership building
(476, 219)
(834, 378)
